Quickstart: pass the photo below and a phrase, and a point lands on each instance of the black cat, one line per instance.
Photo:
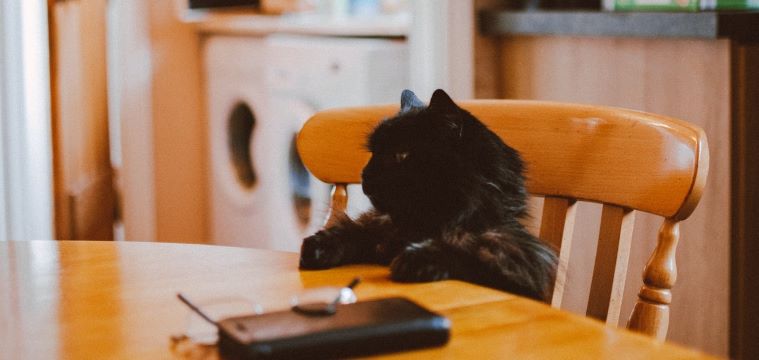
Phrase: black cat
(448, 197)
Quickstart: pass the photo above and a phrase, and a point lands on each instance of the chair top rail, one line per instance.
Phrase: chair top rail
(628, 158)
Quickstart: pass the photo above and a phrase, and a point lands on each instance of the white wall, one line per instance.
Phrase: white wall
(130, 83)
(25, 134)
(441, 43)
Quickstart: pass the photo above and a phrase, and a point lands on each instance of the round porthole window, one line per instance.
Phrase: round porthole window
(240, 128)
(299, 187)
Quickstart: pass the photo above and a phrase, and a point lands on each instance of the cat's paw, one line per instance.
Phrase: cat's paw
(420, 262)
(321, 251)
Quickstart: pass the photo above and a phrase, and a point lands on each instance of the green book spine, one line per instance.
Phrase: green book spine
(657, 5)
(730, 4)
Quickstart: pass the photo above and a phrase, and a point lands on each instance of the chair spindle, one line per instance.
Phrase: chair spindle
(556, 228)
(338, 203)
(610, 270)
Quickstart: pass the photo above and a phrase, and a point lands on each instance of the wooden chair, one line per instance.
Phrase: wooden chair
(626, 160)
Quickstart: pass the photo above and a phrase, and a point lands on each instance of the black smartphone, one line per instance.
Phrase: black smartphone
(199, 4)
(360, 329)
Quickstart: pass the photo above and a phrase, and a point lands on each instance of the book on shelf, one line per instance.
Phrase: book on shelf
(680, 5)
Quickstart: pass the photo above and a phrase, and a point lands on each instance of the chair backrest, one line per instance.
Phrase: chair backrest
(626, 160)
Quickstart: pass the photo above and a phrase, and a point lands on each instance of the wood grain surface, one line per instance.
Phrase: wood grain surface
(571, 150)
(77, 299)
(688, 79)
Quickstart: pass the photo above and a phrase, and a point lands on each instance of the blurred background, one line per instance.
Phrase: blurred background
(174, 120)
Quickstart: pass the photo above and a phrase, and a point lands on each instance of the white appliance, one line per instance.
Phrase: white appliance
(272, 202)
(237, 106)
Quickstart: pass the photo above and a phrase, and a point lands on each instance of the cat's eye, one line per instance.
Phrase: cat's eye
(400, 156)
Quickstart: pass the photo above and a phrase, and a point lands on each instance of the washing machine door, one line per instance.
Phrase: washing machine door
(310, 196)
(297, 201)
(307, 189)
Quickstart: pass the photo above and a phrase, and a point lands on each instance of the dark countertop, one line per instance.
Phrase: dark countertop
(741, 26)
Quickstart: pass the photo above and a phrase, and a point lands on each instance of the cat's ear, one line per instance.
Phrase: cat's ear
(410, 102)
(442, 102)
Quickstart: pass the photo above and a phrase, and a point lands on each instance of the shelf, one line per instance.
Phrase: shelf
(741, 26)
(257, 24)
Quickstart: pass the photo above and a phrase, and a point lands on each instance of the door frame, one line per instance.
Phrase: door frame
(3, 188)
(130, 87)
(26, 187)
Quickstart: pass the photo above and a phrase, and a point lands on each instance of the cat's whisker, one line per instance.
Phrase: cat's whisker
(495, 186)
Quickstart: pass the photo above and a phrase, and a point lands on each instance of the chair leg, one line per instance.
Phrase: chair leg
(651, 313)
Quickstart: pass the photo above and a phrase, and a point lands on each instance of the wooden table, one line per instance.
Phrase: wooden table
(86, 300)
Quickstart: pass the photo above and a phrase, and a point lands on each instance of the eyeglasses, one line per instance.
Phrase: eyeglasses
(201, 321)
(324, 304)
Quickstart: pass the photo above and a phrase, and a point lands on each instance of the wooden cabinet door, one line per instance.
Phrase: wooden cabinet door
(84, 195)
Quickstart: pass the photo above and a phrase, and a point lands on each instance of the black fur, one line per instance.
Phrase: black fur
(448, 197)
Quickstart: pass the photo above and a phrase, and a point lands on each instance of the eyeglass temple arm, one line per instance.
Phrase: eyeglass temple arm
(196, 309)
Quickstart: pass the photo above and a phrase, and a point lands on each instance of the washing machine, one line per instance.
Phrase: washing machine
(261, 91)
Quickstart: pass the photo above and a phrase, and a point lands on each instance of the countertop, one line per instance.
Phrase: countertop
(740, 26)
